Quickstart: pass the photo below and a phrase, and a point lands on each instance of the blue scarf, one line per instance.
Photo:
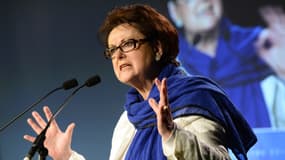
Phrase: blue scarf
(187, 96)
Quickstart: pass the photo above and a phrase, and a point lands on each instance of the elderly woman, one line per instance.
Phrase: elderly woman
(168, 115)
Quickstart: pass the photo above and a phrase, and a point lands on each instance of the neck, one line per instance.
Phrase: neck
(207, 41)
(144, 84)
(145, 89)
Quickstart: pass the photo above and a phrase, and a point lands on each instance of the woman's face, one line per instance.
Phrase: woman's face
(135, 66)
(199, 16)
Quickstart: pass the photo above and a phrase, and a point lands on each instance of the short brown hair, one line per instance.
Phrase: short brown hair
(149, 22)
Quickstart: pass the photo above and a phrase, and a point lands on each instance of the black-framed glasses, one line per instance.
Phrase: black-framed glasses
(126, 46)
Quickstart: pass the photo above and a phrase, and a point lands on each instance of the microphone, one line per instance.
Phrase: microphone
(66, 85)
(38, 144)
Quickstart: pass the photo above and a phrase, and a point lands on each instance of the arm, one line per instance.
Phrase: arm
(196, 137)
(123, 134)
(76, 156)
(192, 137)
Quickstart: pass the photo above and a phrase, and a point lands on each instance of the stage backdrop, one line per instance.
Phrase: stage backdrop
(44, 43)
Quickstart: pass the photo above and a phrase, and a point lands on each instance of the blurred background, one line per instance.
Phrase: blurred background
(44, 43)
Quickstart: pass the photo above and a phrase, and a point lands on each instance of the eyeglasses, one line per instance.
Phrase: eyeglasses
(126, 46)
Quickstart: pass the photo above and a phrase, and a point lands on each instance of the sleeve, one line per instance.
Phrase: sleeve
(122, 137)
(196, 137)
(76, 156)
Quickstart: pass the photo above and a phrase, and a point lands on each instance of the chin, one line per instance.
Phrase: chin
(124, 79)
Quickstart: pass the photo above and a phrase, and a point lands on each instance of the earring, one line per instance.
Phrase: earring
(157, 57)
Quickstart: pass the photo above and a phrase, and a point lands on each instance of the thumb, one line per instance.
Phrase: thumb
(69, 129)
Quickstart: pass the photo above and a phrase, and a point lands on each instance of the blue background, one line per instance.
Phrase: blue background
(43, 43)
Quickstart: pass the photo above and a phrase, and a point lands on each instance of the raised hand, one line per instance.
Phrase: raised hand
(57, 142)
(271, 43)
(165, 122)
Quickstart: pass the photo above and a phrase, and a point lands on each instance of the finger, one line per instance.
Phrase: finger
(29, 138)
(41, 122)
(153, 104)
(163, 93)
(34, 126)
(69, 130)
(47, 112)
(49, 115)
(158, 84)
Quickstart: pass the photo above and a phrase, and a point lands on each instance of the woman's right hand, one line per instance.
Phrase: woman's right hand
(271, 42)
(57, 142)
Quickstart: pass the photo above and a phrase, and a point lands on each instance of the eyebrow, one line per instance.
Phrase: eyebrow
(122, 41)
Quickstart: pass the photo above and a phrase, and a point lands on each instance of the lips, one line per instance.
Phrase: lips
(122, 66)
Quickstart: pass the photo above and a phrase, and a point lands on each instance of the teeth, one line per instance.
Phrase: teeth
(124, 65)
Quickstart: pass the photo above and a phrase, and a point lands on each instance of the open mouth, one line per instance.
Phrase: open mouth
(124, 66)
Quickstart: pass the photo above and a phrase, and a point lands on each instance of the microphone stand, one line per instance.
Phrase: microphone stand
(38, 145)
(29, 108)
(66, 85)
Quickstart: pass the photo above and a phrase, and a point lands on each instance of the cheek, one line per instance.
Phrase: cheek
(187, 13)
(115, 69)
(142, 63)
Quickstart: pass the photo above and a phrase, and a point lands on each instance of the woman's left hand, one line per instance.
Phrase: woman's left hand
(165, 124)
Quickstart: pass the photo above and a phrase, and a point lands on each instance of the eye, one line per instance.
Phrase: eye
(128, 44)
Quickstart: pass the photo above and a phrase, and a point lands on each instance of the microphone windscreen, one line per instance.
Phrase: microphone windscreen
(93, 81)
(69, 84)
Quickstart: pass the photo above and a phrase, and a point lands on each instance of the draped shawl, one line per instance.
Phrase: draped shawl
(187, 96)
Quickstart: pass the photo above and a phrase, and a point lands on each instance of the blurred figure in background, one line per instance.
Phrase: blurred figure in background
(246, 61)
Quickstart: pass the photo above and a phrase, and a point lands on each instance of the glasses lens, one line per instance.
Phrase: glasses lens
(128, 45)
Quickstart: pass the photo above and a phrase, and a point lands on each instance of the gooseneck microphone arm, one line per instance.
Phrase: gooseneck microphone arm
(66, 85)
(89, 83)
(38, 144)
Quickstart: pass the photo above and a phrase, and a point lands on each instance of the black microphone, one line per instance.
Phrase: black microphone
(39, 141)
(66, 85)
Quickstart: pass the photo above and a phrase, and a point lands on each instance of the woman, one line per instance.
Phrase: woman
(246, 62)
(168, 115)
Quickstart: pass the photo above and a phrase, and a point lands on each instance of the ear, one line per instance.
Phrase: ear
(158, 49)
(174, 15)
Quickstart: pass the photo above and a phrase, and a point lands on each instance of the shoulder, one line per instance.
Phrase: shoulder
(240, 35)
(195, 82)
(123, 123)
